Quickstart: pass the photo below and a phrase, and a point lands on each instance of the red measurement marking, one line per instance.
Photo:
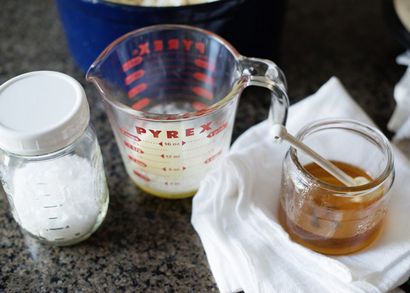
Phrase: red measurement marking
(173, 169)
(134, 76)
(211, 158)
(198, 106)
(203, 77)
(187, 44)
(173, 44)
(204, 64)
(158, 45)
(132, 147)
(171, 143)
(200, 46)
(130, 135)
(137, 89)
(131, 63)
(141, 163)
(171, 183)
(218, 130)
(141, 104)
(200, 91)
(144, 49)
(142, 176)
(170, 156)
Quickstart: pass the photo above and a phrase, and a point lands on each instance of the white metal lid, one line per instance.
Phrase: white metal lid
(41, 112)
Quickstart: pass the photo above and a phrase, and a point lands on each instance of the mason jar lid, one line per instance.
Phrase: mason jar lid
(41, 112)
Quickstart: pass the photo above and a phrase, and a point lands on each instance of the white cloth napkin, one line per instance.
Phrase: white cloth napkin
(400, 120)
(234, 213)
(402, 96)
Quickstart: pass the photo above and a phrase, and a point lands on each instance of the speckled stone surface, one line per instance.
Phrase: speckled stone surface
(147, 244)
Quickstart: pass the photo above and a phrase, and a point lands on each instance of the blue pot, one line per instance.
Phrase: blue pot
(91, 25)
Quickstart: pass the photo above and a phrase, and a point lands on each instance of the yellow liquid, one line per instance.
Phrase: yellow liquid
(167, 195)
(332, 224)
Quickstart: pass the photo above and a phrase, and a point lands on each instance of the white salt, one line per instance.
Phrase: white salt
(57, 199)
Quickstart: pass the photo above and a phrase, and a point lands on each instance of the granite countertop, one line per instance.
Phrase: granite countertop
(147, 244)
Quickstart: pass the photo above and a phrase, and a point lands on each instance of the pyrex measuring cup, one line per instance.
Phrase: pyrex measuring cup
(171, 92)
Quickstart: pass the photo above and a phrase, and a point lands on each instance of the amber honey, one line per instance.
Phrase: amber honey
(332, 220)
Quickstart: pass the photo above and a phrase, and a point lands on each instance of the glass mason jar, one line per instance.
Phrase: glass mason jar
(321, 213)
(51, 166)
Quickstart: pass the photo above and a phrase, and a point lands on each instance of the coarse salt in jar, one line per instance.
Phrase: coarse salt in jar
(51, 166)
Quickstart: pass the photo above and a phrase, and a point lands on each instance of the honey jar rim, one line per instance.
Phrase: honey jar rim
(371, 133)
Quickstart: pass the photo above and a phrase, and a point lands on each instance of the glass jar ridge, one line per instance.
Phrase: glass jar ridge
(59, 198)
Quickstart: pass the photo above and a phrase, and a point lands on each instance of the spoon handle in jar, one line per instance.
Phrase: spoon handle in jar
(279, 131)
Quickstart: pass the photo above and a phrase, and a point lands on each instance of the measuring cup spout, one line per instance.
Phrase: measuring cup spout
(93, 75)
(265, 73)
(106, 82)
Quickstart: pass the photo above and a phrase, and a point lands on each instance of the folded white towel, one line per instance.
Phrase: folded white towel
(400, 120)
(234, 213)
(402, 96)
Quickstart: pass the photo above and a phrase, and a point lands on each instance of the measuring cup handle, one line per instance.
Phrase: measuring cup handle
(265, 73)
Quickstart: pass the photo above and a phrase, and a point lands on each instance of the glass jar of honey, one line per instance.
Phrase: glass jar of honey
(317, 210)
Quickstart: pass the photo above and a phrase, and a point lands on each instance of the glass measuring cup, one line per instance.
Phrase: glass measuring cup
(170, 92)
